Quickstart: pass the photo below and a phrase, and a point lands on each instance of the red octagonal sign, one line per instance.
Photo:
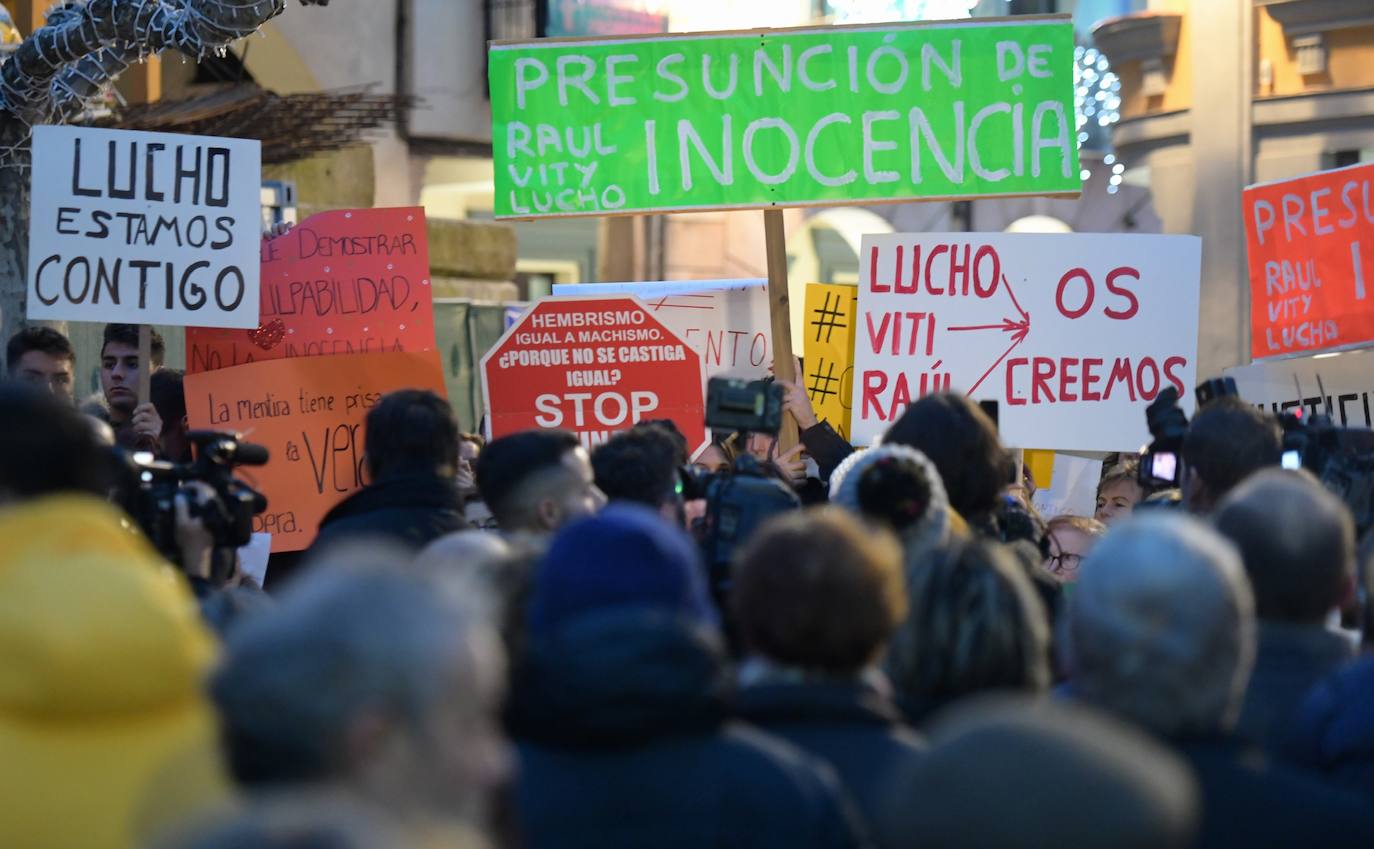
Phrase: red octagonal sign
(592, 366)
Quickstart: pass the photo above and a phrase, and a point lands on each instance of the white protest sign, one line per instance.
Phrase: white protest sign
(726, 321)
(1348, 381)
(1072, 490)
(253, 558)
(144, 228)
(1073, 335)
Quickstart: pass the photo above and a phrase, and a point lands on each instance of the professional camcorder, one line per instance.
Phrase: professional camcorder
(1342, 458)
(1161, 465)
(149, 491)
(743, 497)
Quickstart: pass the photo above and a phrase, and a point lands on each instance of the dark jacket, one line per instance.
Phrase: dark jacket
(1290, 660)
(413, 511)
(1334, 731)
(826, 447)
(620, 722)
(850, 725)
(1249, 803)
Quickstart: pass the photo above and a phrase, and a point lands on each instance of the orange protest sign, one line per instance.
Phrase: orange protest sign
(350, 281)
(1311, 247)
(309, 413)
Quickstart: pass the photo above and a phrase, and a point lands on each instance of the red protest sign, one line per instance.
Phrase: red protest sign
(350, 281)
(592, 366)
(309, 412)
(1311, 248)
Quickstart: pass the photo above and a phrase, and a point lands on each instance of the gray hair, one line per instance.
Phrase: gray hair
(357, 634)
(1161, 626)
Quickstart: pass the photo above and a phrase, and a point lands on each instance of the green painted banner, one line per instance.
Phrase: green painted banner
(829, 115)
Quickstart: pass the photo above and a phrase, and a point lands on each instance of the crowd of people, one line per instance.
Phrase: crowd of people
(522, 643)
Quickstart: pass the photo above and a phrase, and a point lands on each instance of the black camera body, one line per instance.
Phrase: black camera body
(741, 498)
(738, 501)
(1161, 465)
(1341, 457)
(740, 406)
(151, 487)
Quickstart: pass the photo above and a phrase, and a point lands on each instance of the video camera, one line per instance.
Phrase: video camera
(743, 497)
(149, 491)
(1342, 458)
(1160, 465)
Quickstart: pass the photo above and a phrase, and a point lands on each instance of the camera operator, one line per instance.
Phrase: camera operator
(48, 449)
(1227, 442)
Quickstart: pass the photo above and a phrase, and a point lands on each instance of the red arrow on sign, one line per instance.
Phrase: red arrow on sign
(1018, 328)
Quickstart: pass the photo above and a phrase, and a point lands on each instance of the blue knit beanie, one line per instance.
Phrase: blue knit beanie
(624, 557)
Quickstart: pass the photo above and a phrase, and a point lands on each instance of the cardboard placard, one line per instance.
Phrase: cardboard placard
(725, 321)
(1073, 335)
(309, 412)
(144, 228)
(592, 366)
(348, 281)
(1311, 249)
(828, 352)
(1278, 386)
(769, 118)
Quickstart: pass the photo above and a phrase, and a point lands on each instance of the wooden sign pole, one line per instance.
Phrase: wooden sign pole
(780, 311)
(145, 363)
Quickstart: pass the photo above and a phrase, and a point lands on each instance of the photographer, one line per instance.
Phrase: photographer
(1227, 442)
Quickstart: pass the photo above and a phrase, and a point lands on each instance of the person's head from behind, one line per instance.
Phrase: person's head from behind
(120, 366)
(975, 624)
(1297, 542)
(370, 678)
(962, 441)
(168, 394)
(537, 481)
(1228, 441)
(412, 433)
(1042, 775)
(47, 447)
(895, 487)
(44, 358)
(639, 465)
(819, 591)
(626, 558)
(1160, 629)
(1118, 494)
(1070, 540)
(295, 821)
(682, 452)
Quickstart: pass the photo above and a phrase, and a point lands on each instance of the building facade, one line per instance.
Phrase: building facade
(1220, 94)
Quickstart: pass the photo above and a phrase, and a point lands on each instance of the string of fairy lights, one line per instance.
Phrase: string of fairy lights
(1097, 101)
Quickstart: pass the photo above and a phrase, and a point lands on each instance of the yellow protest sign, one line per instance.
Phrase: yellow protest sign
(829, 351)
(1041, 465)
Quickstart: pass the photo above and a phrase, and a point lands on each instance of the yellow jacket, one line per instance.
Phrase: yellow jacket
(106, 737)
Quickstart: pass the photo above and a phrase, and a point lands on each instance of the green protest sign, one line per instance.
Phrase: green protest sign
(832, 115)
